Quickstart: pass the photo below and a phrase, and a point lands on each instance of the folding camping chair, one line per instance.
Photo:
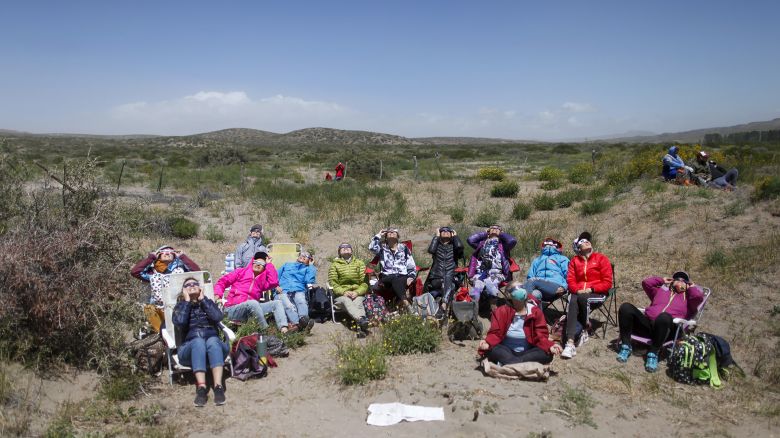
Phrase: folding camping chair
(171, 338)
(606, 306)
(684, 327)
(282, 253)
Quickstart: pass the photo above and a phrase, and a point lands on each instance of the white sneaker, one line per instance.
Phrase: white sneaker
(583, 338)
(569, 351)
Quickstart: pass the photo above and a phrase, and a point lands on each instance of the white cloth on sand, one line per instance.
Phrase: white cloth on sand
(386, 414)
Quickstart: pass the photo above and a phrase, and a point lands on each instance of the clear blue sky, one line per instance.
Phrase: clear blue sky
(514, 69)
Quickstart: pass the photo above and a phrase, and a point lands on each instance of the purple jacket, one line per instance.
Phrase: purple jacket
(662, 299)
(477, 241)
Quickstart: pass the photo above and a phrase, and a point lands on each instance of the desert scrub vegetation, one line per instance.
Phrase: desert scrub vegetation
(409, 334)
(505, 189)
(521, 211)
(595, 206)
(491, 173)
(544, 202)
(489, 215)
(64, 285)
(550, 173)
(581, 173)
(576, 404)
(357, 364)
(766, 188)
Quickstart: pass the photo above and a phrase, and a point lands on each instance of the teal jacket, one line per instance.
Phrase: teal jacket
(295, 276)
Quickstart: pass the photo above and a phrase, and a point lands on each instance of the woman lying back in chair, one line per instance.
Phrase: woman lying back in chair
(670, 298)
(518, 332)
(197, 316)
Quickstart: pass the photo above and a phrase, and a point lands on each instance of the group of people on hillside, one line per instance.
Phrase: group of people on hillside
(701, 171)
(518, 328)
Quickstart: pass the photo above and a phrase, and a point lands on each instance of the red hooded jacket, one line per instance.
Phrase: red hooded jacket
(535, 328)
(594, 273)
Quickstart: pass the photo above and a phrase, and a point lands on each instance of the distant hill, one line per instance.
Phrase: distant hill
(697, 135)
(470, 141)
(305, 136)
(13, 133)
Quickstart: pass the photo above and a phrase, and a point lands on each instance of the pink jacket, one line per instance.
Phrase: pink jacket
(244, 285)
(664, 300)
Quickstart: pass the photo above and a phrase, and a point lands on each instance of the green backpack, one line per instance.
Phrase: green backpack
(694, 361)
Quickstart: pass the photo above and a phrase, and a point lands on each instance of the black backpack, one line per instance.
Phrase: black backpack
(319, 303)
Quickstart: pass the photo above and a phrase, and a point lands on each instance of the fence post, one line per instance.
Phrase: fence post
(121, 171)
(415, 167)
(241, 181)
(159, 183)
(593, 158)
(381, 169)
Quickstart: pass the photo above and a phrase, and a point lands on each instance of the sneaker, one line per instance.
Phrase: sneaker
(651, 363)
(363, 325)
(219, 395)
(583, 338)
(624, 353)
(201, 396)
(569, 351)
(306, 324)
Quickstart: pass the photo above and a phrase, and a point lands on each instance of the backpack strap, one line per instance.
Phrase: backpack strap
(714, 377)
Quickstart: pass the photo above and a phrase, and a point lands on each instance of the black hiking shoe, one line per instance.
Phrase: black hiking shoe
(363, 325)
(306, 324)
(202, 396)
(219, 395)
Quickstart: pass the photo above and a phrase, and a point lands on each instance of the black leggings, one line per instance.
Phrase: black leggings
(397, 283)
(505, 355)
(578, 311)
(632, 321)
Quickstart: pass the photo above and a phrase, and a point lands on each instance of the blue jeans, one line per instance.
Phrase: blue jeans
(295, 305)
(542, 289)
(241, 312)
(195, 352)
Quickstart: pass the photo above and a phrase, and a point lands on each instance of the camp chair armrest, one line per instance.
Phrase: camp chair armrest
(231, 335)
(169, 341)
(641, 309)
(461, 269)
(686, 322)
(422, 269)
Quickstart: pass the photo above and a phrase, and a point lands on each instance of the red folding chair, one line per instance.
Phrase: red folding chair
(413, 290)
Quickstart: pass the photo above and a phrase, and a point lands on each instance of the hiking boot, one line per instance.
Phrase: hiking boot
(624, 353)
(569, 351)
(201, 396)
(219, 395)
(651, 363)
(363, 325)
(306, 324)
(583, 338)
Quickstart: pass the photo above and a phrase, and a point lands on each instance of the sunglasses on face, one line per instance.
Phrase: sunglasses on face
(167, 251)
(192, 284)
(259, 262)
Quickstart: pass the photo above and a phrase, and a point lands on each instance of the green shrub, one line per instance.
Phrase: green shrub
(550, 173)
(183, 228)
(567, 198)
(411, 334)
(554, 184)
(716, 258)
(581, 173)
(529, 239)
(594, 206)
(489, 215)
(458, 213)
(357, 364)
(504, 189)
(121, 387)
(521, 210)
(653, 186)
(544, 202)
(735, 208)
(214, 234)
(491, 173)
(599, 192)
(766, 188)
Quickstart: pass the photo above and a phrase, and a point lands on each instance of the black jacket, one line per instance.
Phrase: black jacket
(197, 319)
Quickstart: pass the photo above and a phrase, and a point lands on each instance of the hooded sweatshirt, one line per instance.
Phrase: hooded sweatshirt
(346, 275)
(672, 162)
(246, 251)
(663, 299)
(244, 285)
(296, 276)
(551, 265)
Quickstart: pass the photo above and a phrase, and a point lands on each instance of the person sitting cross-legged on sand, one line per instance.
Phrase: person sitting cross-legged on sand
(670, 297)
(445, 250)
(489, 264)
(589, 279)
(246, 290)
(197, 317)
(546, 279)
(518, 332)
(347, 279)
(397, 262)
(295, 278)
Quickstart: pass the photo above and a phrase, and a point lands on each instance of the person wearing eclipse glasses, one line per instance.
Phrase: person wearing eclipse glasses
(546, 278)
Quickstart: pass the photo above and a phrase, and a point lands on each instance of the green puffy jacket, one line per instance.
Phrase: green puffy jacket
(343, 276)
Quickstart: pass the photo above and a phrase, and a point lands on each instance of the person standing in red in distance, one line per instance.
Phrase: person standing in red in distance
(340, 171)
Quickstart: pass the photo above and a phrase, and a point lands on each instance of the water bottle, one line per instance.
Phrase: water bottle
(230, 263)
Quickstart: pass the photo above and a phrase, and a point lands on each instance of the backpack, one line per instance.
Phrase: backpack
(319, 303)
(466, 324)
(246, 363)
(149, 353)
(376, 311)
(694, 361)
(558, 329)
(425, 305)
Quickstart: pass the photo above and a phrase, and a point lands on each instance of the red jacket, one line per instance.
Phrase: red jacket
(596, 273)
(535, 328)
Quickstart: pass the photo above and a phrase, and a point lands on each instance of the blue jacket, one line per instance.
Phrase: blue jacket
(551, 265)
(671, 162)
(294, 276)
(197, 319)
